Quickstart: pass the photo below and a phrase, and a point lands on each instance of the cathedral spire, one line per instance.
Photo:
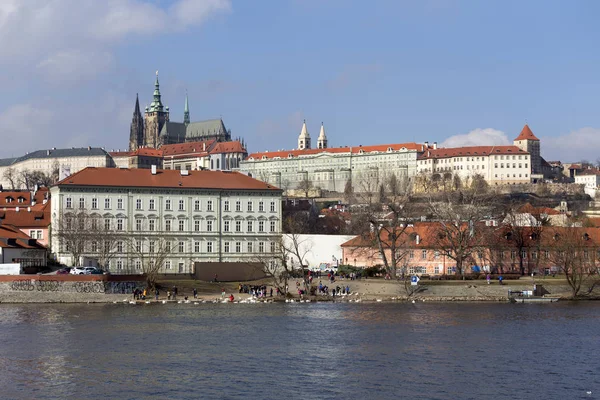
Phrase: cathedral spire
(304, 138)
(156, 104)
(186, 110)
(136, 110)
(322, 140)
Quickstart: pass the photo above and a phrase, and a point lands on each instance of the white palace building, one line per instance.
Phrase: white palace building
(330, 168)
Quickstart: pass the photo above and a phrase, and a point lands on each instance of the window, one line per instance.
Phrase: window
(107, 203)
(181, 205)
(238, 206)
(167, 247)
(272, 206)
(138, 204)
(250, 226)
(226, 250)
(436, 255)
(68, 203)
(272, 247)
(151, 245)
(273, 224)
(106, 224)
(151, 205)
(209, 205)
(250, 206)
(261, 247)
(181, 247)
(411, 254)
(209, 247)
(81, 224)
(81, 202)
(238, 247)
(197, 225)
(167, 264)
(261, 226)
(196, 247)
(138, 246)
(436, 269)
(138, 264)
(33, 234)
(94, 204)
(209, 226)
(119, 204)
(168, 225)
(181, 225)
(250, 247)
(226, 205)
(168, 205)
(151, 225)
(94, 223)
(261, 206)
(138, 224)
(94, 246)
(226, 226)
(196, 205)
(119, 264)
(119, 246)
(423, 254)
(547, 254)
(120, 224)
(238, 226)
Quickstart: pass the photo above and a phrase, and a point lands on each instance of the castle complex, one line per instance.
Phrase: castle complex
(155, 127)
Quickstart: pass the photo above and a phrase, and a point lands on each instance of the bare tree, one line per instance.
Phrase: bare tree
(572, 251)
(458, 217)
(367, 184)
(73, 233)
(12, 177)
(523, 236)
(148, 255)
(348, 192)
(305, 186)
(479, 184)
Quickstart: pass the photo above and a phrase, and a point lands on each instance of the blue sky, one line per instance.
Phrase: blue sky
(375, 72)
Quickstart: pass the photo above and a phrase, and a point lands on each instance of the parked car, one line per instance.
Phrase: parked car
(97, 271)
(82, 270)
(63, 271)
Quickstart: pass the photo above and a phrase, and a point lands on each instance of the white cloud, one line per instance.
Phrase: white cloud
(580, 144)
(74, 66)
(22, 125)
(478, 137)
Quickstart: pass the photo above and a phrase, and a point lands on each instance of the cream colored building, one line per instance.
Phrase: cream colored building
(498, 165)
(330, 168)
(205, 216)
(60, 162)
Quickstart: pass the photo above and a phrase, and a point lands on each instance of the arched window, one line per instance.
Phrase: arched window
(217, 163)
(211, 165)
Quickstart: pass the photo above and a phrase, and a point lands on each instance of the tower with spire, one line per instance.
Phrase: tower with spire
(186, 111)
(304, 138)
(155, 117)
(528, 142)
(322, 140)
(136, 131)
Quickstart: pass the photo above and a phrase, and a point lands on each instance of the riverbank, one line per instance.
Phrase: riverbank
(367, 290)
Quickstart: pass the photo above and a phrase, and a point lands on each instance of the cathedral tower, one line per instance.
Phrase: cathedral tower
(155, 117)
(322, 140)
(186, 111)
(136, 132)
(304, 138)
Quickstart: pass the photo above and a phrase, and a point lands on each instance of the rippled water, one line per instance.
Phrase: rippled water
(290, 351)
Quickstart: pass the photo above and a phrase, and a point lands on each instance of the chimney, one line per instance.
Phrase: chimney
(203, 146)
(418, 239)
(17, 209)
(426, 144)
(47, 152)
(28, 209)
(153, 169)
(435, 145)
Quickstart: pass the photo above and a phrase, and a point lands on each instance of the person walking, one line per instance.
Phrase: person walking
(156, 293)
(195, 292)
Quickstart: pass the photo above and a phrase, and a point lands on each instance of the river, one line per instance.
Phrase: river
(293, 351)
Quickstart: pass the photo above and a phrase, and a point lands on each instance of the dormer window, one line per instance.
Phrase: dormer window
(389, 149)
(290, 155)
(556, 236)
(508, 236)
(9, 199)
(586, 236)
(361, 151)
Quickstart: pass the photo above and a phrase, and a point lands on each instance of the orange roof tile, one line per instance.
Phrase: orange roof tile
(37, 217)
(526, 134)
(187, 148)
(470, 151)
(19, 239)
(339, 150)
(124, 177)
(228, 147)
(11, 199)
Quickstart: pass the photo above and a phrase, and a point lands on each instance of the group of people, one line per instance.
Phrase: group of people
(256, 290)
(337, 291)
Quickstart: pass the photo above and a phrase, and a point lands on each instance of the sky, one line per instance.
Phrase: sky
(374, 72)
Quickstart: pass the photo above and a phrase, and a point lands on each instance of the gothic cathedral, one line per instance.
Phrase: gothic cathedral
(155, 128)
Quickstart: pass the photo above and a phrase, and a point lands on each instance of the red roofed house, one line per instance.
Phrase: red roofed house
(209, 154)
(204, 216)
(18, 248)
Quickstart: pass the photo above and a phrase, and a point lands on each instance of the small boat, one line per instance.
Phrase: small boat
(532, 299)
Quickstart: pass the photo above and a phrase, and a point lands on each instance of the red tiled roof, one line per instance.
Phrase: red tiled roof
(11, 199)
(228, 147)
(37, 217)
(187, 148)
(124, 177)
(20, 239)
(41, 194)
(528, 208)
(120, 153)
(589, 171)
(142, 151)
(526, 134)
(470, 151)
(339, 150)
